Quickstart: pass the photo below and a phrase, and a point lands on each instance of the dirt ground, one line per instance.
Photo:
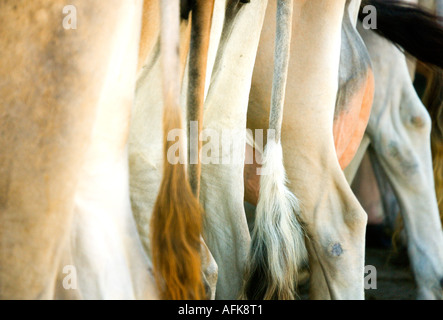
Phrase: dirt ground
(394, 280)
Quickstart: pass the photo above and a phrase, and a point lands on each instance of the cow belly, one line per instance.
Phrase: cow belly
(350, 123)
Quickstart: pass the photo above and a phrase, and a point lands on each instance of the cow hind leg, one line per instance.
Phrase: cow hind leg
(398, 145)
(47, 116)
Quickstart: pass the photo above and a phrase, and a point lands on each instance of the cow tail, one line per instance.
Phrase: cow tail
(176, 223)
(202, 11)
(277, 245)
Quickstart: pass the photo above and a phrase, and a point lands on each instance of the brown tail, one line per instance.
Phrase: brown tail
(176, 224)
(433, 100)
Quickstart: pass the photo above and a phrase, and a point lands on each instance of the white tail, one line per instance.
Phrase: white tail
(277, 245)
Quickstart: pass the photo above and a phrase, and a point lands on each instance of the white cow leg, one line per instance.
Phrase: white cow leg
(335, 224)
(403, 148)
(399, 129)
(336, 242)
(335, 221)
(226, 229)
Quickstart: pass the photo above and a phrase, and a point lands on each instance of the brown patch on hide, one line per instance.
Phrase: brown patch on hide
(350, 124)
